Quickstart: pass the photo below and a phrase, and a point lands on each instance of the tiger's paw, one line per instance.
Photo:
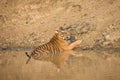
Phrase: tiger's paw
(78, 41)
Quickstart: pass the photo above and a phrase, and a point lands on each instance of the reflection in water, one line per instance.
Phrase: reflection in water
(92, 65)
(59, 60)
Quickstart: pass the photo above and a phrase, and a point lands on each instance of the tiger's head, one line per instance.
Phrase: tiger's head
(66, 35)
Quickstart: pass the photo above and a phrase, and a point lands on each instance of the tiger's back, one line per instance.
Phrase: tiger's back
(48, 50)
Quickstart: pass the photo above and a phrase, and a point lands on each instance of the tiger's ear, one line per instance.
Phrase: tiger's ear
(56, 31)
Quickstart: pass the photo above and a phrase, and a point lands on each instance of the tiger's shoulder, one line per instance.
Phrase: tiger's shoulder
(63, 38)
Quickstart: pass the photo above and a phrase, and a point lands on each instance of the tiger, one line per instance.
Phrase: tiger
(61, 42)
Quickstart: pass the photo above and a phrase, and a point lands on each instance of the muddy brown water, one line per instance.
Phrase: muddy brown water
(93, 65)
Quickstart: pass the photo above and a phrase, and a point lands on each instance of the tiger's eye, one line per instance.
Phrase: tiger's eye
(68, 37)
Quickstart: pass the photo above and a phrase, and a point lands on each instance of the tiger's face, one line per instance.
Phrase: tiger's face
(66, 35)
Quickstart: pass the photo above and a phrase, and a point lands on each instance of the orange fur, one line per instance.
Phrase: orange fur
(56, 50)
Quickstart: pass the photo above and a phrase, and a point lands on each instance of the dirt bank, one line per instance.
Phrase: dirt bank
(25, 24)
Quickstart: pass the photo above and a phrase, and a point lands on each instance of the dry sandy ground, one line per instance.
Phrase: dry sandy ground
(25, 24)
